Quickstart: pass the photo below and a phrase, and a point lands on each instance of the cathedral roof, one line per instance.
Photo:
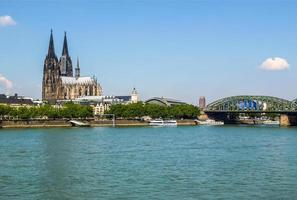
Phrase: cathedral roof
(80, 80)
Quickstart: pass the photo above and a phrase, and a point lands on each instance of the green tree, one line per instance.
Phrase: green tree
(138, 110)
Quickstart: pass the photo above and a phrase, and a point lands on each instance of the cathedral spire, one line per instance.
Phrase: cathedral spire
(65, 46)
(77, 69)
(51, 47)
(65, 60)
(51, 73)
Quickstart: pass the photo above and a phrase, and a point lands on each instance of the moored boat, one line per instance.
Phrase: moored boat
(209, 122)
(270, 122)
(161, 122)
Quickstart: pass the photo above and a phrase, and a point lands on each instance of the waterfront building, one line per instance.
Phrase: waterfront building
(58, 81)
(101, 108)
(202, 102)
(101, 104)
(164, 101)
(133, 98)
(15, 101)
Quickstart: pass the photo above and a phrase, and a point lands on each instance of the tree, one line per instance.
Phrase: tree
(138, 110)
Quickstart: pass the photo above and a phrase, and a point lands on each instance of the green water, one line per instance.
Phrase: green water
(228, 162)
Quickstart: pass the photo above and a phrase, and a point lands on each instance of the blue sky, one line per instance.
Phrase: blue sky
(178, 49)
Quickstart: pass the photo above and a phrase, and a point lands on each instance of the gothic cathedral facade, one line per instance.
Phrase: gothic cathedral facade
(58, 81)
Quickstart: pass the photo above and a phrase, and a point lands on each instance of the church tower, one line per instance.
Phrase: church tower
(77, 70)
(65, 62)
(51, 73)
(134, 96)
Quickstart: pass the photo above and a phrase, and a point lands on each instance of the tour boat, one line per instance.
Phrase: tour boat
(270, 122)
(160, 122)
(170, 123)
(209, 122)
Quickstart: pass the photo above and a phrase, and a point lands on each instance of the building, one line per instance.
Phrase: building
(102, 103)
(58, 81)
(15, 101)
(202, 102)
(101, 108)
(133, 98)
(164, 101)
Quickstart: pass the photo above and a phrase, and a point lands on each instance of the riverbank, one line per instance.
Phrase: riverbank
(66, 123)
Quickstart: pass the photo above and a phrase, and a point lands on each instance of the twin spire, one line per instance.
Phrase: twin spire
(51, 47)
(66, 64)
(65, 46)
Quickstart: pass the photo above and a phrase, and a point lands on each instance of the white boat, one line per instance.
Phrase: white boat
(170, 123)
(160, 122)
(210, 122)
(270, 122)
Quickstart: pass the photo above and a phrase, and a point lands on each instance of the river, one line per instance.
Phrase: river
(226, 162)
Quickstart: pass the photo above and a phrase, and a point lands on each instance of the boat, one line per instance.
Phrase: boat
(270, 122)
(161, 122)
(210, 122)
(170, 123)
(76, 123)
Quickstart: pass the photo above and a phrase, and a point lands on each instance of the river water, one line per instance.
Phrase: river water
(228, 162)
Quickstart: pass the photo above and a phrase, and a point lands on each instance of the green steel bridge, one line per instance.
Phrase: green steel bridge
(252, 104)
(227, 109)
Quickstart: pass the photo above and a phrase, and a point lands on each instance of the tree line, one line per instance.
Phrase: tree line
(138, 110)
(69, 110)
(129, 111)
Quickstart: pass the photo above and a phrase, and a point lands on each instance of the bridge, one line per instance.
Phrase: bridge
(227, 108)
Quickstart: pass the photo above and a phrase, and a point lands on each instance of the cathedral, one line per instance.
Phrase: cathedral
(58, 81)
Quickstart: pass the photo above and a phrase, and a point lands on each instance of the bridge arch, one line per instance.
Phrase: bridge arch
(252, 103)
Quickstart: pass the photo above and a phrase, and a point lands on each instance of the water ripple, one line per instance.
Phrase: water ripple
(146, 163)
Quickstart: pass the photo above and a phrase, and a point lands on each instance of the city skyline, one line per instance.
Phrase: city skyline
(181, 50)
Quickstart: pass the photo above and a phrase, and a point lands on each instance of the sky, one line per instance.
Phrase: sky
(167, 48)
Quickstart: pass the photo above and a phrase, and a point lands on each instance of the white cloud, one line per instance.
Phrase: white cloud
(5, 83)
(274, 64)
(6, 20)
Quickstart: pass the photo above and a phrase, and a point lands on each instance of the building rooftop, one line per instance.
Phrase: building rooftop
(3, 96)
(124, 98)
(15, 100)
(164, 101)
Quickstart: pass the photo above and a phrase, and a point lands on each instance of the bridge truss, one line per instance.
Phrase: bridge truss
(252, 104)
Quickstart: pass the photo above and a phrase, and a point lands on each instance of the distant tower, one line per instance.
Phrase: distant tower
(65, 60)
(77, 69)
(51, 73)
(202, 103)
(134, 96)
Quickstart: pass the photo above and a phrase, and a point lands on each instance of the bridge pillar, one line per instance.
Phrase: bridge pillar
(284, 120)
(288, 120)
(203, 116)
